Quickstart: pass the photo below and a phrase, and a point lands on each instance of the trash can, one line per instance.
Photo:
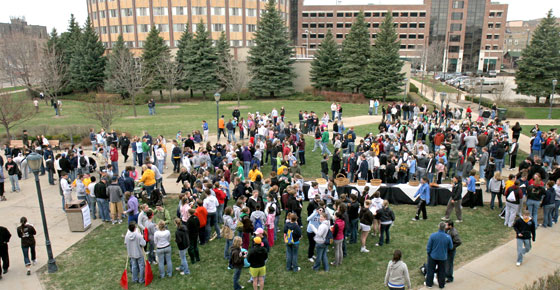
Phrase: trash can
(77, 213)
(502, 113)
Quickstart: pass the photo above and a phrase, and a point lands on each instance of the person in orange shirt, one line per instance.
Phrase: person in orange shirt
(202, 214)
(221, 128)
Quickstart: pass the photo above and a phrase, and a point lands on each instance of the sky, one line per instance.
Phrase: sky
(57, 13)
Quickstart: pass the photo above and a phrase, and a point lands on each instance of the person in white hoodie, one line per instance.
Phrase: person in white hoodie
(135, 243)
(320, 240)
(397, 273)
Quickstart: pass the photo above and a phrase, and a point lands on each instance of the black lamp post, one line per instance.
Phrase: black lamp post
(217, 97)
(35, 160)
(554, 82)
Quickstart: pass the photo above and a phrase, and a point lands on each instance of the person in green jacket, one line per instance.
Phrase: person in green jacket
(240, 172)
(324, 142)
(161, 214)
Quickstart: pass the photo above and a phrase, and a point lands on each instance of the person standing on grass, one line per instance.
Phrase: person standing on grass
(228, 233)
(132, 207)
(424, 193)
(193, 226)
(320, 242)
(182, 240)
(386, 217)
(438, 246)
(496, 186)
(114, 157)
(135, 243)
(452, 232)
(237, 261)
(151, 229)
(202, 215)
(2, 178)
(162, 240)
(455, 200)
(354, 217)
(292, 235)
(26, 232)
(471, 188)
(525, 229)
(152, 107)
(338, 235)
(366, 220)
(257, 259)
(397, 276)
(514, 194)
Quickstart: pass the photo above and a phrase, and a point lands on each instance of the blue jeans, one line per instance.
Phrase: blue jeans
(151, 110)
(350, 147)
(332, 113)
(321, 257)
(499, 164)
(184, 265)
(26, 254)
(376, 110)
(247, 167)
(227, 251)
(164, 256)
(523, 247)
(449, 264)
(535, 153)
(533, 207)
(547, 212)
(555, 211)
(149, 189)
(51, 177)
(14, 181)
(137, 267)
(115, 168)
(103, 206)
(325, 149)
(354, 230)
(160, 166)
(212, 222)
(236, 275)
(291, 257)
(384, 230)
(451, 166)
(220, 213)
(93, 145)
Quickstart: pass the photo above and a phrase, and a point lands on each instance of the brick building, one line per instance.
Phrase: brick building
(472, 30)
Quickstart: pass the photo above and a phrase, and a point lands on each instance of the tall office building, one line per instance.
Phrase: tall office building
(134, 18)
(472, 31)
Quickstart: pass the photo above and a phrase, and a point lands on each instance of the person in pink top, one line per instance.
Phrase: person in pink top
(270, 225)
(338, 234)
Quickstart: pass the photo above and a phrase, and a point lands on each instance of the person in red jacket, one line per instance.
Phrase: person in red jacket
(114, 156)
(202, 214)
(338, 235)
(221, 196)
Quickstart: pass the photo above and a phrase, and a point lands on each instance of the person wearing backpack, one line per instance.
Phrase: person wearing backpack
(292, 234)
(322, 240)
(513, 196)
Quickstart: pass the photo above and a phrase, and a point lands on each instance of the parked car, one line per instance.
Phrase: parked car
(492, 73)
(487, 86)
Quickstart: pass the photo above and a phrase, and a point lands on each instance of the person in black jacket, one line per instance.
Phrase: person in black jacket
(366, 220)
(123, 143)
(325, 167)
(100, 192)
(193, 225)
(26, 233)
(293, 205)
(257, 258)
(455, 200)
(524, 229)
(4, 254)
(182, 240)
(335, 164)
(353, 216)
(237, 261)
(386, 217)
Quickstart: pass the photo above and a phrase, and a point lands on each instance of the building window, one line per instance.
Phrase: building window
(142, 12)
(339, 35)
(218, 27)
(143, 28)
(376, 14)
(305, 14)
(235, 27)
(114, 29)
(312, 14)
(420, 36)
(421, 25)
(348, 25)
(162, 27)
(140, 44)
(403, 25)
(321, 25)
(329, 25)
(251, 12)
(516, 42)
(235, 12)
(235, 43)
(312, 35)
(321, 35)
(488, 36)
(455, 38)
(412, 25)
(197, 10)
(160, 11)
(498, 14)
(496, 36)
(456, 27)
(348, 14)
(411, 46)
(457, 16)
(458, 4)
(453, 48)
(105, 44)
(304, 35)
(422, 14)
(329, 14)
(313, 25)
(128, 28)
(402, 36)
(126, 12)
(94, 15)
(403, 46)
(497, 25)
(495, 47)
(129, 44)
(413, 14)
(375, 24)
(218, 11)
(339, 14)
(404, 14)
(305, 25)
(103, 29)
(487, 47)
(102, 14)
(356, 14)
(180, 10)
(395, 14)
(412, 36)
(251, 27)
(113, 13)
(490, 25)
(339, 25)
(312, 46)
(250, 43)
(374, 35)
(179, 27)
(492, 14)
(321, 14)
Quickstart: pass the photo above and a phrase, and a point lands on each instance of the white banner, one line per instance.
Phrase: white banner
(86, 216)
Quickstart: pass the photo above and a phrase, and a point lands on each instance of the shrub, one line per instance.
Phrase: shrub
(419, 100)
(514, 112)
(485, 102)
(546, 283)
(413, 88)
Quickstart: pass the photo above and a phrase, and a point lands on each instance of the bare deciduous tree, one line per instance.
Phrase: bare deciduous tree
(500, 96)
(104, 110)
(172, 74)
(126, 76)
(13, 112)
(434, 55)
(52, 73)
(19, 56)
(232, 78)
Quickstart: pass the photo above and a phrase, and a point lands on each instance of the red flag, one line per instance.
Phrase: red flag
(149, 276)
(124, 280)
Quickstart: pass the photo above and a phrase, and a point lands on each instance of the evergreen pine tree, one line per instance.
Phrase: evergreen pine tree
(269, 61)
(112, 67)
(384, 69)
(540, 61)
(70, 41)
(155, 50)
(224, 55)
(87, 65)
(54, 43)
(184, 51)
(201, 65)
(325, 67)
(355, 56)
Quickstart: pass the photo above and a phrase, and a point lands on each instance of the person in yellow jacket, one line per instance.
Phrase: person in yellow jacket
(148, 179)
(375, 147)
(253, 173)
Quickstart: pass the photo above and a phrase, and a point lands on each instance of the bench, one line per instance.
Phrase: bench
(16, 144)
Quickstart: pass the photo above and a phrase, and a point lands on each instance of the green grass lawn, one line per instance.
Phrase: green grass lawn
(97, 261)
(362, 130)
(437, 85)
(11, 89)
(541, 113)
(545, 128)
(170, 118)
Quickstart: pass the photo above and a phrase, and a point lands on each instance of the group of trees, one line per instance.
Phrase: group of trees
(357, 66)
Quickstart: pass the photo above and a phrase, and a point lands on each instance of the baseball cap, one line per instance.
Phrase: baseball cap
(259, 231)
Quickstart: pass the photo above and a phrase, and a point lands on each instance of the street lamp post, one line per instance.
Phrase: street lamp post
(554, 82)
(480, 96)
(35, 160)
(442, 97)
(306, 43)
(404, 95)
(217, 97)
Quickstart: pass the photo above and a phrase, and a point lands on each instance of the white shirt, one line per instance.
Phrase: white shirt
(66, 188)
(333, 107)
(211, 203)
(160, 154)
(90, 187)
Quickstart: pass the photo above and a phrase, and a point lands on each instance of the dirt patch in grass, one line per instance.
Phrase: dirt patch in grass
(240, 107)
(169, 107)
(59, 117)
(138, 117)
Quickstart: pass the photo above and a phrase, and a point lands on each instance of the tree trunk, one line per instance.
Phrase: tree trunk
(547, 101)
(204, 95)
(272, 94)
(133, 104)
(170, 94)
(237, 99)
(161, 95)
(192, 93)
(8, 133)
(384, 97)
(537, 97)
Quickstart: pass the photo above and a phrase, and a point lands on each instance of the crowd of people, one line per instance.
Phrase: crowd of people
(225, 195)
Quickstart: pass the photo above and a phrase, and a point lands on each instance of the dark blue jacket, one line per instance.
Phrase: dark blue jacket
(438, 245)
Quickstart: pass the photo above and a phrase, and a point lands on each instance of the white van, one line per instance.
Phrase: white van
(488, 86)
